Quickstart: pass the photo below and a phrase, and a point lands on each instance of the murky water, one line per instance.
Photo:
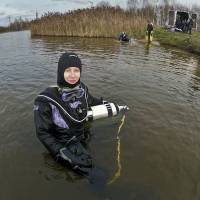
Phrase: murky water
(159, 141)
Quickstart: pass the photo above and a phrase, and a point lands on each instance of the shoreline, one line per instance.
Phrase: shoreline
(183, 41)
(106, 22)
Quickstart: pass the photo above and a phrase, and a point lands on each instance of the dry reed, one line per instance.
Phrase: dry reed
(93, 22)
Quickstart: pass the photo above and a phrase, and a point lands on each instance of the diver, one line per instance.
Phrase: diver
(123, 37)
(149, 30)
(61, 113)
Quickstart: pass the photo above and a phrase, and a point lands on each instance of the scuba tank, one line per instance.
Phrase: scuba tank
(105, 110)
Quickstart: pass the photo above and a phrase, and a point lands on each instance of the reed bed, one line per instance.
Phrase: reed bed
(93, 22)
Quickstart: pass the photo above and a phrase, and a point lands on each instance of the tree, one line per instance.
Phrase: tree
(133, 4)
(103, 4)
(145, 3)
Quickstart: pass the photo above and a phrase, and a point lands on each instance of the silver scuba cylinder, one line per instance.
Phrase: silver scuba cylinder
(105, 110)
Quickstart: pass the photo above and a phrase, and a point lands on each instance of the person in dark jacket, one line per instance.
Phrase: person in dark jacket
(149, 30)
(60, 115)
(190, 25)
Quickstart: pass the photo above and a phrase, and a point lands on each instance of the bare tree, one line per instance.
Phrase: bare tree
(145, 3)
(195, 8)
(103, 4)
(166, 8)
(132, 4)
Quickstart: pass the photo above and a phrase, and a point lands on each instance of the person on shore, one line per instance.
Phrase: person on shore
(185, 26)
(190, 25)
(149, 30)
(178, 23)
(60, 114)
(123, 37)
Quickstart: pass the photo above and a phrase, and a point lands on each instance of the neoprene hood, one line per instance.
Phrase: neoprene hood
(67, 60)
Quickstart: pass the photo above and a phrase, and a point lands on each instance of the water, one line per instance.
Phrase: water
(159, 141)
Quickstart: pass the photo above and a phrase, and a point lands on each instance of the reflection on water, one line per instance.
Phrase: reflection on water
(94, 46)
(159, 141)
(58, 171)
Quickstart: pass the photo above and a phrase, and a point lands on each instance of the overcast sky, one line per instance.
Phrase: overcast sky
(27, 8)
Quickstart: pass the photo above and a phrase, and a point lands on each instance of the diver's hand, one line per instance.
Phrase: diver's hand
(76, 155)
(123, 108)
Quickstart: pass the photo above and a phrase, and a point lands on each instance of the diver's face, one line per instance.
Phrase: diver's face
(72, 75)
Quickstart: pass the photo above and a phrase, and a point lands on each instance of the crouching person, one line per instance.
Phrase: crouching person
(123, 37)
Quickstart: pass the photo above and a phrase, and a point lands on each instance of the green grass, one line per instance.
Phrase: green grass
(180, 40)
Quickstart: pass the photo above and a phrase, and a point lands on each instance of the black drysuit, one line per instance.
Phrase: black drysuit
(58, 122)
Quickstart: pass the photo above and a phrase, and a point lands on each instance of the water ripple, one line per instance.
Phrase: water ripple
(160, 85)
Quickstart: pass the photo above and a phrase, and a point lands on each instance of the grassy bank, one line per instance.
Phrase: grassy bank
(93, 22)
(180, 40)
